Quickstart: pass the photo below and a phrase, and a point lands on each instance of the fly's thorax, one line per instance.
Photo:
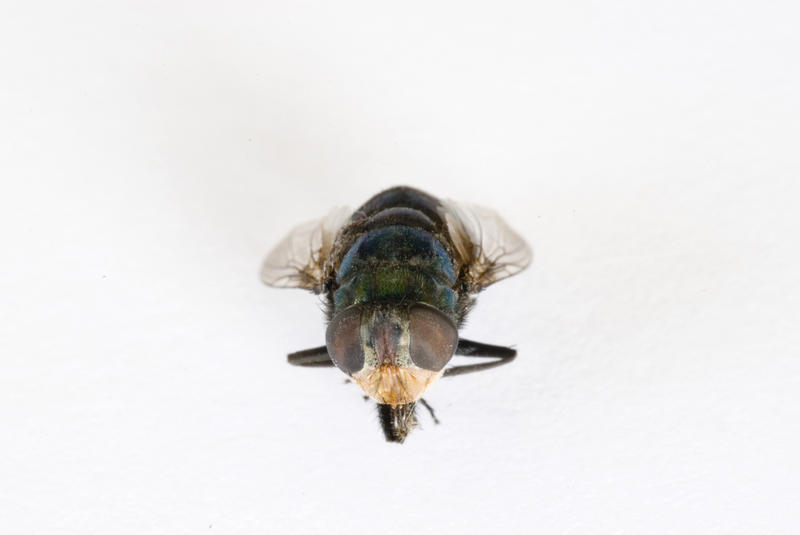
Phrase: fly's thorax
(395, 282)
(393, 352)
(395, 263)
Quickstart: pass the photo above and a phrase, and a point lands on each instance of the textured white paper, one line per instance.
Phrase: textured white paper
(151, 153)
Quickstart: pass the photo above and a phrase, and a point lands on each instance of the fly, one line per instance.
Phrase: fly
(398, 277)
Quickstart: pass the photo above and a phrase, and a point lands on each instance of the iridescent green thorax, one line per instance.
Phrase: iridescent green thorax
(396, 263)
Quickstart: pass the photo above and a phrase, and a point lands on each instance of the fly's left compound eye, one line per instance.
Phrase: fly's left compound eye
(343, 339)
(434, 337)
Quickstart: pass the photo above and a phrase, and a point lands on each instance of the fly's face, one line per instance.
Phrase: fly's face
(394, 353)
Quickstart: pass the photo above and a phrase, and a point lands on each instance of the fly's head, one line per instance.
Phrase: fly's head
(393, 352)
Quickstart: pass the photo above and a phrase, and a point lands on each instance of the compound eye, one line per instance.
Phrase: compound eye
(434, 337)
(343, 339)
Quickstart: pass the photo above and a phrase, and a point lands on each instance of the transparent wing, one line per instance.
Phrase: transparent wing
(489, 248)
(298, 260)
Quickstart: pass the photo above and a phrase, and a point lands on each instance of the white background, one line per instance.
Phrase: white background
(152, 152)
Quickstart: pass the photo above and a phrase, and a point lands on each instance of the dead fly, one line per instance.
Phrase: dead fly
(398, 277)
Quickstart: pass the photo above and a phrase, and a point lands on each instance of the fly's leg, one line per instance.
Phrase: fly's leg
(430, 410)
(468, 348)
(313, 358)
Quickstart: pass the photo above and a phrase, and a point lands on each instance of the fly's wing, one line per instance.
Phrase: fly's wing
(489, 248)
(298, 260)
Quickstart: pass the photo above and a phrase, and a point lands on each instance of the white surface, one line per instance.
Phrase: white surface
(151, 154)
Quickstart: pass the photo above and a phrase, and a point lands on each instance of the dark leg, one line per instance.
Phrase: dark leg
(430, 410)
(468, 348)
(316, 357)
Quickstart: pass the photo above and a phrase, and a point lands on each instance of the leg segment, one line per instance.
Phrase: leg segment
(468, 348)
(315, 358)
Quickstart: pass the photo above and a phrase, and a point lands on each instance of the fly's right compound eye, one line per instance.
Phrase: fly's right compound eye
(434, 337)
(343, 339)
